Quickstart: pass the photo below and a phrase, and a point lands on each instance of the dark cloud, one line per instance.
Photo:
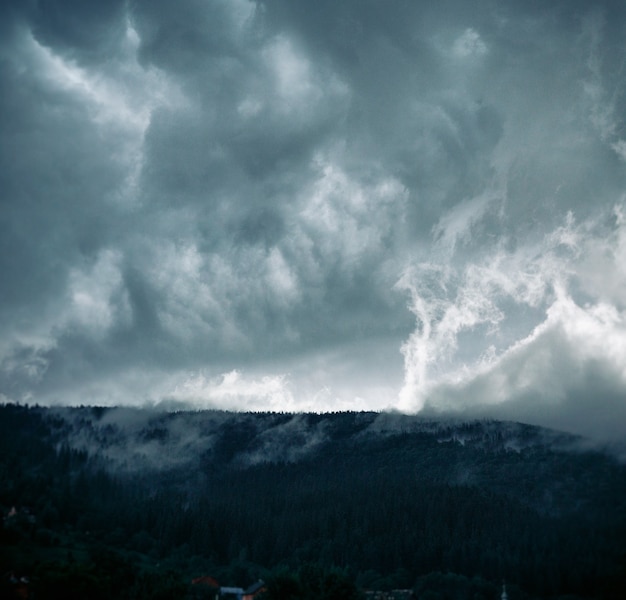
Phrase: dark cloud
(284, 204)
(87, 30)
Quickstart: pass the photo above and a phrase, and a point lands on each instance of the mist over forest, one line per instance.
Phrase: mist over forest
(136, 503)
(255, 237)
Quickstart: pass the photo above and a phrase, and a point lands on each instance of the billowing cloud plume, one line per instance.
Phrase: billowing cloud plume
(564, 365)
(283, 205)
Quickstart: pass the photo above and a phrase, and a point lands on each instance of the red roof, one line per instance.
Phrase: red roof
(205, 580)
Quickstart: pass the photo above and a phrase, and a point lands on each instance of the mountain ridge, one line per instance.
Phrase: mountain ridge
(389, 497)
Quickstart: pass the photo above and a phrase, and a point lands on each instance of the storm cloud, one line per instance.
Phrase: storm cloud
(289, 205)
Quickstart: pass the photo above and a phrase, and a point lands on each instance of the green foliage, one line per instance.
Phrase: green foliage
(451, 586)
(69, 581)
(284, 586)
(103, 574)
(310, 582)
(445, 509)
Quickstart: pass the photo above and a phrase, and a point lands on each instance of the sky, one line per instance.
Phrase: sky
(311, 206)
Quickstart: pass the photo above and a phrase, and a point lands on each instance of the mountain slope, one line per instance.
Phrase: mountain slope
(392, 498)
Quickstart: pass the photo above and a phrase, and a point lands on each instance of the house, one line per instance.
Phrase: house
(389, 595)
(232, 591)
(205, 580)
(254, 590)
(19, 586)
(206, 584)
(205, 587)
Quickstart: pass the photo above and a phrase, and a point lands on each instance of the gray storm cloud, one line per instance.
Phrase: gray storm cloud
(295, 206)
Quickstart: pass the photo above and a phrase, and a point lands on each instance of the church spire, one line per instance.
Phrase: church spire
(504, 595)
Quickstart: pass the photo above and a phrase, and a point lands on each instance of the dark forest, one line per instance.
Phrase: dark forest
(129, 503)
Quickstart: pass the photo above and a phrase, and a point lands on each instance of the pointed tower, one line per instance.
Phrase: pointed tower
(504, 595)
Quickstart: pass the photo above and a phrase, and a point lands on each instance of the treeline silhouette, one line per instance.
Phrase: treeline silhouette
(447, 510)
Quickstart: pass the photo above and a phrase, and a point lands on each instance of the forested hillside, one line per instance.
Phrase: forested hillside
(136, 503)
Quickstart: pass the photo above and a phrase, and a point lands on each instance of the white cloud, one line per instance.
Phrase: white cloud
(605, 113)
(620, 148)
(97, 298)
(346, 219)
(301, 89)
(469, 44)
(237, 185)
(95, 301)
(292, 72)
(118, 97)
(281, 279)
(455, 226)
(576, 345)
(233, 391)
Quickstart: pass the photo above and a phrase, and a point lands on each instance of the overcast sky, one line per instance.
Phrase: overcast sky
(328, 205)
